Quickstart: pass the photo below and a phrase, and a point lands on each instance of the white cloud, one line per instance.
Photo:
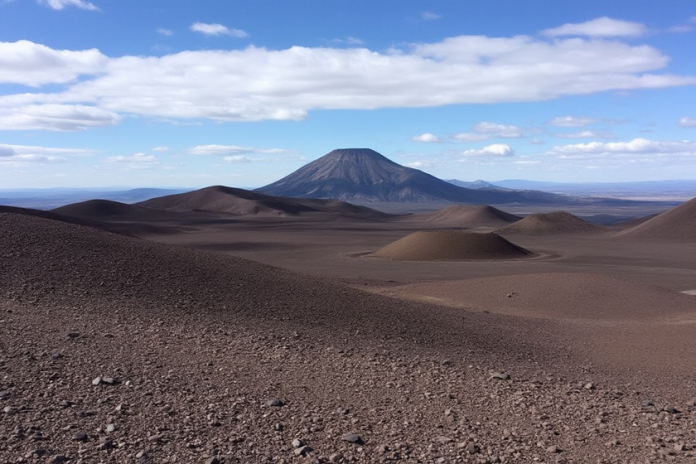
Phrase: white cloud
(687, 122)
(26, 155)
(237, 159)
(427, 138)
(60, 4)
(232, 150)
(255, 84)
(165, 32)
(572, 121)
(599, 27)
(497, 130)
(587, 134)
(430, 16)
(217, 29)
(635, 147)
(55, 117)
(160, 149)
(496, 150)
(32, 64)
(348, 41)
(134, 161)
(469, 137)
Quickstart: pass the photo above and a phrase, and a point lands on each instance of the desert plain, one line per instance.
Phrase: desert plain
(245, 333)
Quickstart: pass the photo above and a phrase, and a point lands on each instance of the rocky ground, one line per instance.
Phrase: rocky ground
(114, 349)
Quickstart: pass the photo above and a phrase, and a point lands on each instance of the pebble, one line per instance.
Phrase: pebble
(297, 443)
(352, 438)
(672, 410)
(58, 459)
(336, 457)
(275, 402)
(4, 394)
(110, 428)
(500, 376)
(96, 381)
(472, 448)
(80, 436)
(302, 450)
(108, 380)
(553, 449)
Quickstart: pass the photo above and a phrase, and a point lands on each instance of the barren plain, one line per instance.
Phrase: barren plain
(207, 336)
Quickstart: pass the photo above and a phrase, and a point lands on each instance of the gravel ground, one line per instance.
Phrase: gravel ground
(115, 349)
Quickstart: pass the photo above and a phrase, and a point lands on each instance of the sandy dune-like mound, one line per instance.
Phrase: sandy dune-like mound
(559, 222)
(470, 216)
(110, 210)
(451, 245)
(561, 295)
(676, 224)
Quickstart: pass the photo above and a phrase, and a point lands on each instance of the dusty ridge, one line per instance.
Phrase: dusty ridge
(451, 245)
(470, 216)
(111, 210)
(676, 224)
(243, 202)
(559, 222)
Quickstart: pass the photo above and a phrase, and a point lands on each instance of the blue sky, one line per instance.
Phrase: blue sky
(172, 93)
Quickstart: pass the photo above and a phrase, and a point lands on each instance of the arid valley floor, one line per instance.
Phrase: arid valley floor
(205, 336)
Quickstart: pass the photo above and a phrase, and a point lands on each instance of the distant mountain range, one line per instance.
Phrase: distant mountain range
(361, 175)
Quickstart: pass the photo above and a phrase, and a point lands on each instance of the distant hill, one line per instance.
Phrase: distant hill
(476, 185)
(107, 210)
(56, 197)
(361, 175)
(559, 222)
(676, 224)
(468, 216)
(244, 202)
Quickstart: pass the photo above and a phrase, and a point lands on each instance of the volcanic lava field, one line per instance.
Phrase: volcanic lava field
(223, 327)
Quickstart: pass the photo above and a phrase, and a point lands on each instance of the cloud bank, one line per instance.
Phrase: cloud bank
(256, 84)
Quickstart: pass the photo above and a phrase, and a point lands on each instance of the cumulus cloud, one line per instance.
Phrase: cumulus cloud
(26, 155)
(572, 121)
(27, 63)
(217, 29)
(599, 27)
(55, 117)
(427, 138)
(487, 130)
(639, 147)
(255, 84)
(60, 4)
(687, 122)
(232, 150)
(165, 32)
(496, 150)
(497, 130)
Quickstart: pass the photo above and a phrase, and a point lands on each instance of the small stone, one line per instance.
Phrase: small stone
(155, 438)
(473, 448)
(57, 355)
(141, 454)
(679, 448)
(440, 460)
(352, 438)
(553, 449)
(35, 452)
(444, 440)
(105, 443)
(110, 428)
(74, 335)
(336, 457)
(80, 436)
(648, 403)
(212, 460)
(278, 427)
(302, 450)
(589, 386)
(275, 402)
(672, 410)
(4, 394)
(58, 459)
(96, 380)
(500, 376)
(108, 380)
(297, 443)
(9, 410)
(383, 449)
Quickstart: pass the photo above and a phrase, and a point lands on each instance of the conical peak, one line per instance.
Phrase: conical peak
(354, 153)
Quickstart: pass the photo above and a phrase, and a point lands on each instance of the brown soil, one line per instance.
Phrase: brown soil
(201, 327)
(450, 245)
(676, 224)
(467, 216)
(559, 222)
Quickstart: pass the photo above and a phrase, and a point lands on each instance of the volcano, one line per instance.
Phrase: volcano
(361, 175)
